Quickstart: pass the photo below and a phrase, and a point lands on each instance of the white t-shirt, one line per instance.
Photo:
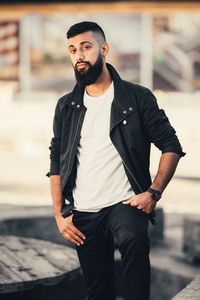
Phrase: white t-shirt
(101, 180)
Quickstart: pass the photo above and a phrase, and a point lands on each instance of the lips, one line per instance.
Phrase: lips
(81, 65)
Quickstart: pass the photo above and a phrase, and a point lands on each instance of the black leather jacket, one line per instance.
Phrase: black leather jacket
(135, 122)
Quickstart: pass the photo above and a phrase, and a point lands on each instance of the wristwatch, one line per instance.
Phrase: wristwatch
(156, 195)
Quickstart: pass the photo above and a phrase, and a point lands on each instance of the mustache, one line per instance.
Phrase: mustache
(82, 62)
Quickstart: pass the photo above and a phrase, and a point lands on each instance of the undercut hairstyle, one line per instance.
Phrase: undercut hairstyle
(86, 26)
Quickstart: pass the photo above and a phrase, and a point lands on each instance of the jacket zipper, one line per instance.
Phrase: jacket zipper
(151, 215)
(70, 136)
(73, 144)
(126, 164)
(132, 176)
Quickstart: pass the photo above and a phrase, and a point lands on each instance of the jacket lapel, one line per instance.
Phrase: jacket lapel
(76, 97)
(122, 105)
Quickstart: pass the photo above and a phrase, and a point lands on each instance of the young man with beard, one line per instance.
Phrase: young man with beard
(100, 163)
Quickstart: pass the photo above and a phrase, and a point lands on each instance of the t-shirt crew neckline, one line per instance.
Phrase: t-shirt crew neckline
(103, 96)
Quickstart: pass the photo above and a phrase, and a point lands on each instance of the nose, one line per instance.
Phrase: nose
(79, 56)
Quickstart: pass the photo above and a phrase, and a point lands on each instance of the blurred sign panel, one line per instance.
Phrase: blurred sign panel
(9, 50)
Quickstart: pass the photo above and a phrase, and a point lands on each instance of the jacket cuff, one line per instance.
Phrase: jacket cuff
(51, 173)
(54, 168)
(177, 151)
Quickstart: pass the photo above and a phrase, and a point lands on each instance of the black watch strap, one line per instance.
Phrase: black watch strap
(67, 210)
(156, 195)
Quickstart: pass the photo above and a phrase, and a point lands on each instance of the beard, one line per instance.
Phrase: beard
(91, 75)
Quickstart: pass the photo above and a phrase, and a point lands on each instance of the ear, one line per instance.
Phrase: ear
(104, 49)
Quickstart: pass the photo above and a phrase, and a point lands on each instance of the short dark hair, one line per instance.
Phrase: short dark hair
(84, 27)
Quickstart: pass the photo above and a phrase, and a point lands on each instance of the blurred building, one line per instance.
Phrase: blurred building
(155, 44)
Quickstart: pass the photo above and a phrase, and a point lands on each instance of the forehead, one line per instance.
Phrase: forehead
(82, 37)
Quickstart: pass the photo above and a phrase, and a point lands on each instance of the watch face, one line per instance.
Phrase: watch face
(156, 195)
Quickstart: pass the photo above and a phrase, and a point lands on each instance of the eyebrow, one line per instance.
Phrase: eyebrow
(84, 42)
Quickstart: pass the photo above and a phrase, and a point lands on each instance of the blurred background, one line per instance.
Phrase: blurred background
(159, 49)
(156, 44)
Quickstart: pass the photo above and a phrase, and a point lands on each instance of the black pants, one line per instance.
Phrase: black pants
(129, 226)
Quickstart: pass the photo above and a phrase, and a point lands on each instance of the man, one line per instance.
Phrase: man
(100, 163)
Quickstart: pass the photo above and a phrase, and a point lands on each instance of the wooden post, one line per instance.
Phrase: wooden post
(146, 54)
(24, 55)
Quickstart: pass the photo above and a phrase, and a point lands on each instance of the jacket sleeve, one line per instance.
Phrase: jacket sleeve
(157, 126)
(55, 143)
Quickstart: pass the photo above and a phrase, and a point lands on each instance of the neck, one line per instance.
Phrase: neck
(101, 85)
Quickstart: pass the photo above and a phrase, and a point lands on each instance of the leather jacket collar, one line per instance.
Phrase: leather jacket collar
(122, 105)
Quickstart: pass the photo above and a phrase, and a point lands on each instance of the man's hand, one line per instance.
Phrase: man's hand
(142, 201)
(69, 231)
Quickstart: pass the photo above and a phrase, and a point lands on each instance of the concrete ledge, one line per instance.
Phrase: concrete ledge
(191, 292)
(191, 238)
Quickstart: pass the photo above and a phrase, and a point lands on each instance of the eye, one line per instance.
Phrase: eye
(86, 47)
(72, 51)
